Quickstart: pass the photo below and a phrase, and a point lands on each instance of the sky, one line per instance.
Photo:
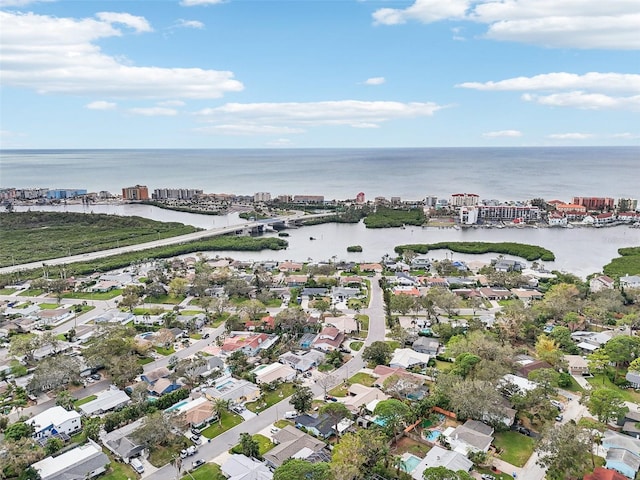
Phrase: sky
(318, 73)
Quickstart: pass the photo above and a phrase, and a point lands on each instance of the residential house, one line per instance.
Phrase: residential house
(154, 375)
(330, 338)
(601, 473)
(162, 386)
(304, 362)
(557, 219)
(591, 341)
(421, 263)
(629, 422)
(440, 457)
(506, 265)
(601, 282)
(371, 267)
(198, 413)
(320, 425)
(233, 390)
(121, 443)
(530, 366)
(240, 467)
(289, 266)
(342, 294)
(291, 443)
(104, 286)
(314, 292)
(426, 345)
(630, 281)
(307, 340)
(345, 323)
(275, 372)
(406, 290)
(105, 401)
(633, 378)
(248, 342)
(53, 421)
(114, 316)
(494, 293)
(612, 439)
(473, 436)
(526, 295)
(513, 382)
(437, 282)
(361, 395)
(407, 358)
(54, 316)
(81, 463)
(577, 365)
(293, 281)
(623, 461)
(267, 323)
(605, 218)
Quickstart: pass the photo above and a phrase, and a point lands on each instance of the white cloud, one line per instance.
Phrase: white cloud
(100, 105)
(171, 103)
(280, 142)
(374, 81)
(570, 136)
(154, 111)
(622, 82)
(182, 23)
(249, 129)
(139, 24)
(342, 112)
(585, 101)
(582, 24)
(61, 55)
(503, 133)
(626, 135)
(20, 3)
(194, 3)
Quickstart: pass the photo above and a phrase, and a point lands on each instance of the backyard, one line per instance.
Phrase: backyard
(515, 448)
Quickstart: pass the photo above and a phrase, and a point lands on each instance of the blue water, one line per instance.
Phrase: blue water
(410, 463)
(176, 406)
(411, 173)
(222, 385)
(433, 435)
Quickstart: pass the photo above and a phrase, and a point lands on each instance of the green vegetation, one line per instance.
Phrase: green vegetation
(600, 380)
(356, 346)
(225, 242)
(363, 379)
(516, 448)
(165, 299)
(48, 306)
(182, 209)
(84, 400)
(59, 234)
(272, 397)
(119, 471)
(354, 248)
(7, 291)
(164, 351)
(282, 423)
(208, 471)
(94, 295)
(227, 420)
(627, 263)
(389, 217)
(31, 292)
(263, 442)
(528, 252)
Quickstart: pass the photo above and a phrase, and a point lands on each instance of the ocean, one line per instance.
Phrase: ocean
(411, 173)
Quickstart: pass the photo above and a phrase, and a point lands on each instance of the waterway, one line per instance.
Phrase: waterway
(581, 251)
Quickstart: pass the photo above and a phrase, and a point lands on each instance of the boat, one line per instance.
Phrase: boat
(312, 238)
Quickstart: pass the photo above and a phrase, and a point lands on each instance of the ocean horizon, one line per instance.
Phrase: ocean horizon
(503, 173)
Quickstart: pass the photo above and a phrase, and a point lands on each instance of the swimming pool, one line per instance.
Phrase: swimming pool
(225, 384)
(433, 435)
(176, 406)
(410, 462)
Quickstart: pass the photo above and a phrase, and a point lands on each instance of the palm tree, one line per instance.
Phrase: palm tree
(220, 406)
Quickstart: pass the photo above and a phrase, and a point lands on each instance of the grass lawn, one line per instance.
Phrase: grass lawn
(94, 295)
(574, 387)
(356, 346)
(516, 448)
(216, 323)
(362, 378)
(271, 398)
(191, 312)
(282, 423)
(208, 471)
(228, 420)
(364, 321)
(325, 367)
(264, 443)
(84, 400)
(339, 391)
(393, 344)
(149, 311)
(443, 366)
(31, 292)
(48, 306)
(628, 394)
(196, 336)
(499, 476)
(165, 299)
(144, 360)
(119, 471)
(164, 351)
(7, 291)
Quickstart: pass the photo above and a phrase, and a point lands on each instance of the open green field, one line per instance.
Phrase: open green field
(165, 299)
(516, 448)
(385, 217)
(59, 234)
(356, 346)
(31, 292)
(48, 306)
(342, 390)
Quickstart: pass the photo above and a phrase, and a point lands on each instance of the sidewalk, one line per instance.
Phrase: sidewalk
(582, 382)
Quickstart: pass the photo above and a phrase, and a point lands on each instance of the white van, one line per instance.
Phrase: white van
(137, 465)
(290, 414)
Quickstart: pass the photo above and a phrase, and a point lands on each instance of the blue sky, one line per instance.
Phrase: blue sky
(301, 73)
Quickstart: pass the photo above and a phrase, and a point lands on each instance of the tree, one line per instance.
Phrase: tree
(296, 469)
(622, 350)
(443, 473)
(124, 369)
(18, 430)
(53, 445)
(322, 306)
(547, 350)
(547, 380)
(562, 337)
(249, 447)
(238, 363)
(220, 405)
(65, 399)
(335, 358)
(394, 415)
(476, 399)
(292, 320)
(178, 287)
(24, 346)
(190, 369)
(58, 287)
(464, 364)
(253, 309)
(237, 287)
(399, 334)
(326, 382)
(402, 303)
(91, 427)
(347, 458)
(336, 411)
(19, 455)
(564, 451)
(605, 403)
(598, 362)
(302, 399)
(54, 372)
(559, 300)
(399, 386)
(378, 353)
(156, 429)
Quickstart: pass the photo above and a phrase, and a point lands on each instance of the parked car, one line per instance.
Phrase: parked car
(306, 374)
(195, 431)
(290, 414)
(559, 418)
(137, 465)
(197, 439)
(205, 336)
(95, 376)
(187, 452)
(523, 430)
(197, 463)
(330, 398)
(557, 404)
(275, 429)
(486, 476)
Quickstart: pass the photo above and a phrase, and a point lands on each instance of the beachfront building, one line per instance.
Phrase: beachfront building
(464, 200)
(139, 192)
(595, 203)
(262, 197)
(468, 215)
(175, 193)
(64, 193)
(508, 213)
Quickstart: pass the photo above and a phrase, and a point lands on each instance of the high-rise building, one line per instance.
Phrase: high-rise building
(139, 192)
(175, 193)
(595, 203)
(464, 200)
(262, 197)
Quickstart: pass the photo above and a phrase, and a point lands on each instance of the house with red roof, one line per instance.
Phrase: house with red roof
(602, 473)
(330, 338)
(267, 323)
(247, 342)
